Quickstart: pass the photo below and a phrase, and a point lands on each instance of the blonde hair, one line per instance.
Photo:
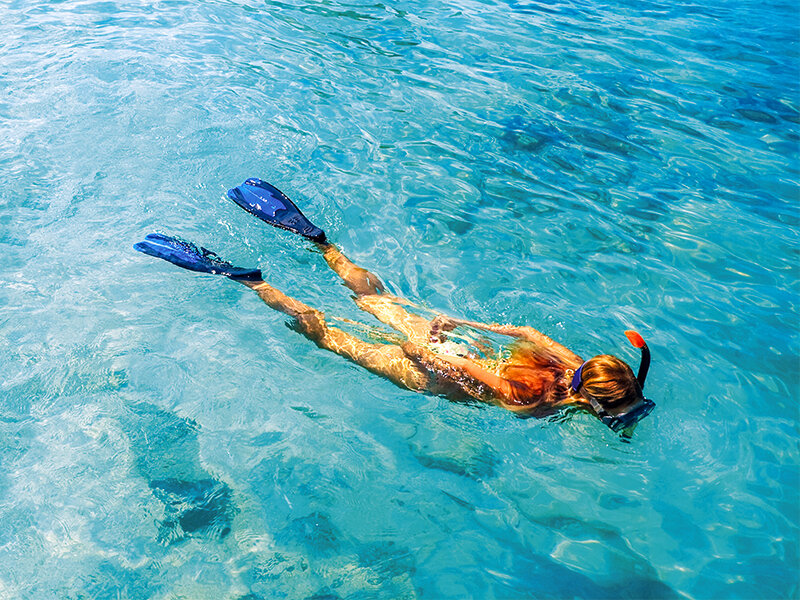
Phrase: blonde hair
(610, 381)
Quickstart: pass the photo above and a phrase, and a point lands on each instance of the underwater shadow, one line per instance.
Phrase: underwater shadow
(167, 455)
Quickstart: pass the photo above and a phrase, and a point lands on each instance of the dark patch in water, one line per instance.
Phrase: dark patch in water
(465, 458)
(193, 508)
(165, 445)
(616, 501)
(638, 587)
(324, 594)
(553, 580)
(531, 136)
(682, 525)
(387, 559)
(309, 412)
(638, 578)
(167, 451)
(315, 532)
(759, 116)
(268, 438)
(457, 225)
(578, 529)
(462, 503)
(476, 467)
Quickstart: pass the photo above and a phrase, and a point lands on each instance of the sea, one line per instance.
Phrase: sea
(579, 166)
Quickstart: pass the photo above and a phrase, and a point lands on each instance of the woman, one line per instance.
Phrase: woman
(536, 376)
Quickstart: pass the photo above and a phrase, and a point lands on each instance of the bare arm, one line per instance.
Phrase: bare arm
(472, 378)
(498, 385)
(503, 390)
(450, 369)
(519, 331)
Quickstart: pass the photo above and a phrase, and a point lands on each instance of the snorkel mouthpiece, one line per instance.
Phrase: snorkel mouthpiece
(638, 342)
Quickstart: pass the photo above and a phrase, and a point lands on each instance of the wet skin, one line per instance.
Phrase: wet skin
(411, 363)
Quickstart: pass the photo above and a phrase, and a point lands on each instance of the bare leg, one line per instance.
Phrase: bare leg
(372, 296)
(389, 309)
(358, 279)
(386, 360)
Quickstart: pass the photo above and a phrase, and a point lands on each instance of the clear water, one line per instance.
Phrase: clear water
(580, 166)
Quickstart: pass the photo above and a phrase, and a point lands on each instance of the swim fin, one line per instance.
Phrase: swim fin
(189, 256)
(271, 205)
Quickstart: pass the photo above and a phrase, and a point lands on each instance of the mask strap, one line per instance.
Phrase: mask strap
(576, 379)
(601, 412)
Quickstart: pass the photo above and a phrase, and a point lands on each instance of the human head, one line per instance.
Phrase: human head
(610, 382)
(608, 385)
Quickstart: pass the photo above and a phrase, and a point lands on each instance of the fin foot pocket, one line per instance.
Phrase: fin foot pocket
(272, 206)
(187, 255)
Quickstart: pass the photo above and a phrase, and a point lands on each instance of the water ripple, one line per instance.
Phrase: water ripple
(582, 167)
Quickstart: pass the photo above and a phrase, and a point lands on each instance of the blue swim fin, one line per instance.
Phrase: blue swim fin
(271, 205)
(189, 256)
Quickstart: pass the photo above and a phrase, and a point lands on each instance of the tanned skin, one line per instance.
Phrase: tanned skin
(411, 363)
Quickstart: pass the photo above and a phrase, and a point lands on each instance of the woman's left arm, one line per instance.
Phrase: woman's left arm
(501, 387)
(505, 391)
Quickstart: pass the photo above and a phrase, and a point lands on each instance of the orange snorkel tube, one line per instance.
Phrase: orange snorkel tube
(644, 366)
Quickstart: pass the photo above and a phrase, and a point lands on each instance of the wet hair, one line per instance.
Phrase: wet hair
(611, 382)
(534, 374)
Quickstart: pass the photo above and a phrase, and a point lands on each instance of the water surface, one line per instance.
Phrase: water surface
(579, 166)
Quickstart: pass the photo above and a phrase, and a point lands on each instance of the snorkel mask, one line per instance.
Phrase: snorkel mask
(636, 412)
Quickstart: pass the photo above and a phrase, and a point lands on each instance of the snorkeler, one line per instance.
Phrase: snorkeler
(534, 376)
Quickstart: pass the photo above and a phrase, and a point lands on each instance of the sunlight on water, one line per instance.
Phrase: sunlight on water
(582, 167)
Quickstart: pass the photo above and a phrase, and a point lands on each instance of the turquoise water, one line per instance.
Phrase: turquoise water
(579, 166)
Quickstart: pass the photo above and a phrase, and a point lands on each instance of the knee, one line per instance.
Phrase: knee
(364, 283)
(312, 324)
(371, 302)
